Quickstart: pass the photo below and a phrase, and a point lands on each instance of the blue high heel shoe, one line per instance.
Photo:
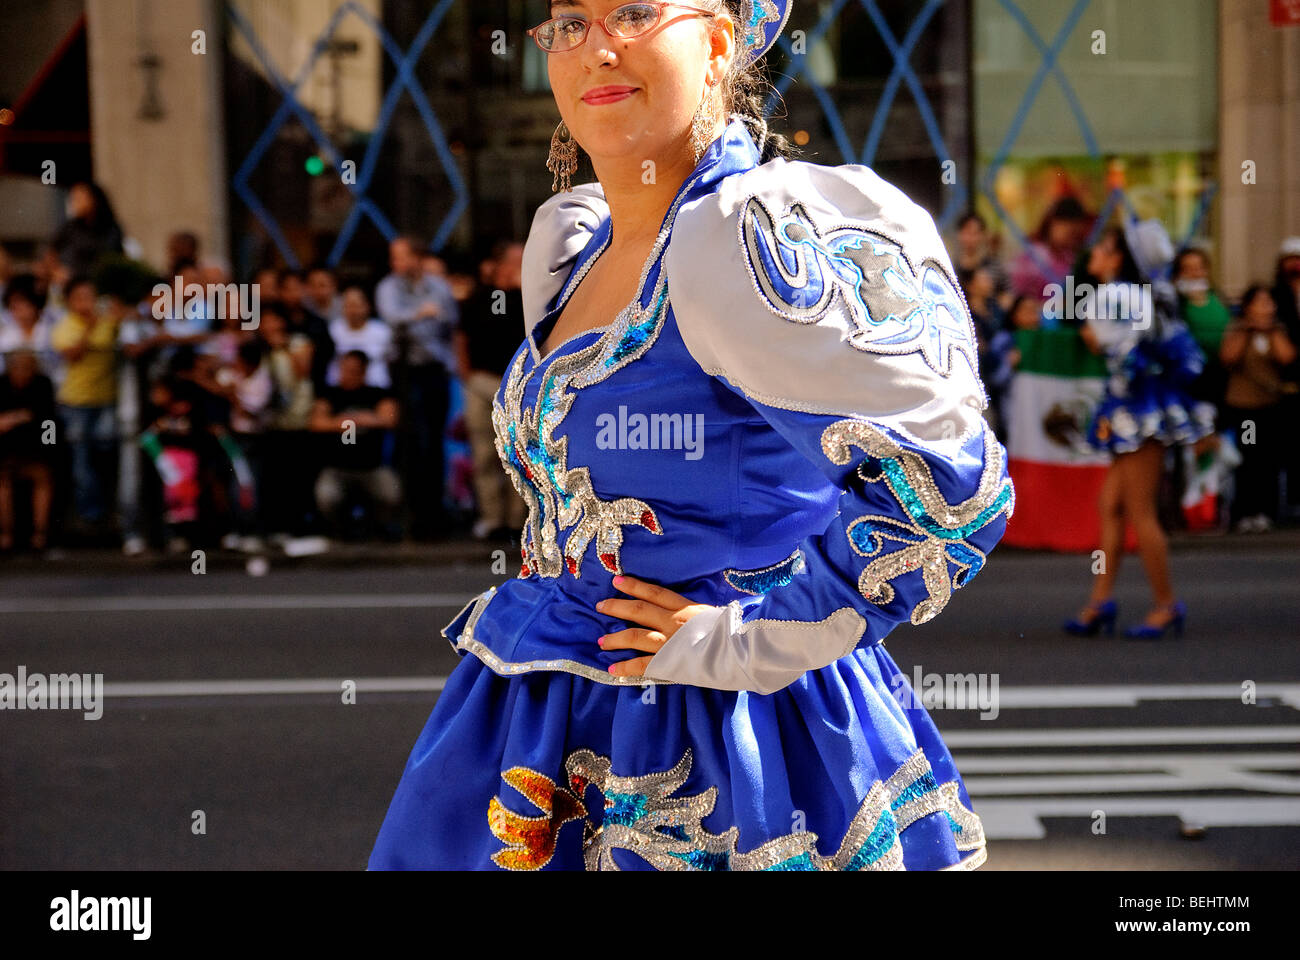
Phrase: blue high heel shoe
(1143, 632)
(1103, 618)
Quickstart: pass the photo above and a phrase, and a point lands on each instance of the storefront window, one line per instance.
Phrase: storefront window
(847, 98)
(450, 147)
(1127, 117)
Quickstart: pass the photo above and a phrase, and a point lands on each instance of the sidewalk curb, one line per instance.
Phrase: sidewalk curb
(1181, 542)
(464, 552)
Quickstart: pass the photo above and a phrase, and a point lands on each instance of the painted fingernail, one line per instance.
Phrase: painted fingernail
(618, 579)
(612, 670)
(601, 641)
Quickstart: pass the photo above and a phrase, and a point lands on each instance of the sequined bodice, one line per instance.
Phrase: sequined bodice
(632, 459)
(784, 425)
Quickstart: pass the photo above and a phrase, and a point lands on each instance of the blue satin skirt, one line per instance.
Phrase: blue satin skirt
(1152, 409)
(841, 770)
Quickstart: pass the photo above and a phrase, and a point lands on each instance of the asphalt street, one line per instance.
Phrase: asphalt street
(223, 695)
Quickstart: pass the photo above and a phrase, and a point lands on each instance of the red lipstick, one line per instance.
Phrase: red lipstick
(610, 94)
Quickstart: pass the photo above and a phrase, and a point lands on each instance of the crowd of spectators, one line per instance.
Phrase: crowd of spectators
(1251, 373)
(175, 408)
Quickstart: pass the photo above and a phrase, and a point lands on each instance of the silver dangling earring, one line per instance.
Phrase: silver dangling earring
(563, 160)
(703, 124)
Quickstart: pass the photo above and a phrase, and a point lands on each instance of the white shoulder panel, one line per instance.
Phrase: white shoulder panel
(826, 290)
(561, 229)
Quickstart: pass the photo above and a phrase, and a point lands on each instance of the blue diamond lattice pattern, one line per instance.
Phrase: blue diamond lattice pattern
(290, 106)
(902, 74)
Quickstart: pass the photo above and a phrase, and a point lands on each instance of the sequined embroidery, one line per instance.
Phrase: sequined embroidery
(466, 642)
(801, 270)
(530, 841)
(560, 497)
(758, 582)
(936, 531)
(762, 13)
(644, 815)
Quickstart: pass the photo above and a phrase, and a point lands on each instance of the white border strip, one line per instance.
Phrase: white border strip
(219, 601)
(1022, 819)
(1112, 736)
(1124, 695)
(236, 688)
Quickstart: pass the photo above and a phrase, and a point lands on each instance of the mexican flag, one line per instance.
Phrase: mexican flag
(1057, 474)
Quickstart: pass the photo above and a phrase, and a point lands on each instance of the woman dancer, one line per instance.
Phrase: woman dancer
(1152, 360)
(747, 424)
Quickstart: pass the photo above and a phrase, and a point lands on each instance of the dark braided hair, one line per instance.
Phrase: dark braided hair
(745, 88)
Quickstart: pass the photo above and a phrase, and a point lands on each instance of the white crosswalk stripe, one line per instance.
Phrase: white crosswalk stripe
(1224, 775)
(1017, 777)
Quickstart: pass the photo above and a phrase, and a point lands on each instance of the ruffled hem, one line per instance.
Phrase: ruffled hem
(842, 770)
(1171, 417)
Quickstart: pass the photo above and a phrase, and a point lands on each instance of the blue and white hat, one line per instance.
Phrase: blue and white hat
(763, 23)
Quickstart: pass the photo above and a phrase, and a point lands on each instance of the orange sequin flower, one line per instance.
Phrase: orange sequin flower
(530, 841)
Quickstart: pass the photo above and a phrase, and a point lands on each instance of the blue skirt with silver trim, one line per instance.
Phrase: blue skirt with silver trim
(548, 769)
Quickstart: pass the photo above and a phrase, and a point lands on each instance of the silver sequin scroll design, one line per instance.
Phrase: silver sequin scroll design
(801, 270)
(931, 533)
(760, 581)
(643, 815)
(559, 497)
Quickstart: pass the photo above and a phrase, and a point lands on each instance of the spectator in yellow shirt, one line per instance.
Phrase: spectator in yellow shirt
(88, 396)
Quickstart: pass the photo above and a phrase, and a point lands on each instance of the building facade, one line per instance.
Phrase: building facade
(302, 131)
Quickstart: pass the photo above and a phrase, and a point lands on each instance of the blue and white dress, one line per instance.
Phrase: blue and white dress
(785, 425)
(1152, 361)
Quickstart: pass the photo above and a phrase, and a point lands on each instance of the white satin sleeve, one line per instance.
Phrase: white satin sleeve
(561, 228)
(824, 296)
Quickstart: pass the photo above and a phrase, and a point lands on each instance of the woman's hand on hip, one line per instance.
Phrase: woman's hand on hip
(659, 612)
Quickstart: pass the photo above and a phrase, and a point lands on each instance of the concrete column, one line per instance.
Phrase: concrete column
(167, 173)
(1259, 120)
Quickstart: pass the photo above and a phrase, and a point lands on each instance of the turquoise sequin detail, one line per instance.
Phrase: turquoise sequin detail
(907, 496)
(973, 559)
(762, 12)
(758, 582)
(928, 535)
(883, 836)
(651, 817)
(869, 539)
(922, 785)
(801, 863)
(540, 455)
(517, 462)
(625, 808)
(638, 333)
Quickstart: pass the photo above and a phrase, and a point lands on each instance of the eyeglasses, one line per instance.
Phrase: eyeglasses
(630, 20)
